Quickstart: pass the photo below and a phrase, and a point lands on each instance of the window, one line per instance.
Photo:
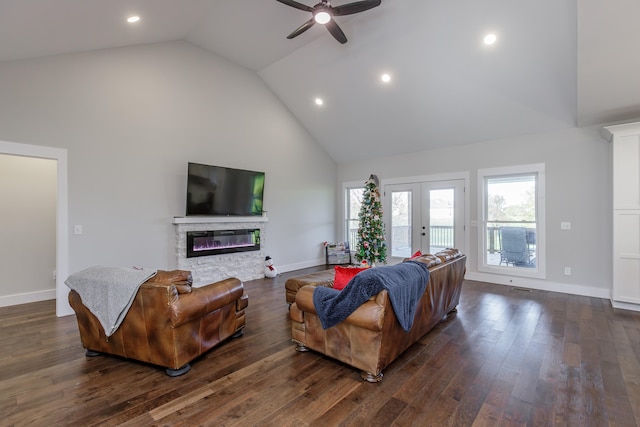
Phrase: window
(353, 203)
(512, 210)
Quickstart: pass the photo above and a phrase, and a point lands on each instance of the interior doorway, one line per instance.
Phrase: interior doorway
(425, 216)
(62, 239)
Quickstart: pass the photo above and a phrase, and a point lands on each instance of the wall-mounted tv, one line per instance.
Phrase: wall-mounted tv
(221, 191)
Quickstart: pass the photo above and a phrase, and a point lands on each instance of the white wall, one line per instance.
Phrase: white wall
(28, 228)
(578, 187)
(132, 118)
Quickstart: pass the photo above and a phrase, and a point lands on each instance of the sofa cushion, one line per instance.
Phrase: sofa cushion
(344, 275)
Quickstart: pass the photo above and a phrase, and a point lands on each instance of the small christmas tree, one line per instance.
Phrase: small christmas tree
(371, 246)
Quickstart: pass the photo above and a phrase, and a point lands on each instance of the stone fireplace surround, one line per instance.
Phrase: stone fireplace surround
(207, 269)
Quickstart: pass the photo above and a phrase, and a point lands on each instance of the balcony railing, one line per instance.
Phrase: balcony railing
(493, 238)
(440, 236)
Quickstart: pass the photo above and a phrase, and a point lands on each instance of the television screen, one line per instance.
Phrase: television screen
(216, 190)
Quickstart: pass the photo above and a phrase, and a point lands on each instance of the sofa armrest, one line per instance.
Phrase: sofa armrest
(205, 299)
(304, 299)
(369, 315)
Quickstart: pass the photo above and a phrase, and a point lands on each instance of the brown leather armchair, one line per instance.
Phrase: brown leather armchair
(169, 323)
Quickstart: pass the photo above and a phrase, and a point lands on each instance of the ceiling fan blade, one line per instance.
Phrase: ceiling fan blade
(355, 7)
(302, 28)
(335, 31)
(297, 5)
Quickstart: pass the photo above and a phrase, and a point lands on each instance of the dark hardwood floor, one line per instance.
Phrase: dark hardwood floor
(508, 357)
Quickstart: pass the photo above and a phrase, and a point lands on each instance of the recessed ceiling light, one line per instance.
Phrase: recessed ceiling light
(133, 19)
(490, 39)
(385, 78)
(319, 101)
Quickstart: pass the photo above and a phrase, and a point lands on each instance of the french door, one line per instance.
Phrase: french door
(424, 216)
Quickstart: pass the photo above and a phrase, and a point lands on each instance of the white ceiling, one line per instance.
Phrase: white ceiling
(556, 64)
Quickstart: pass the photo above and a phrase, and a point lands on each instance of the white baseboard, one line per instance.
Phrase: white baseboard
(588, 291)
(16, 299)
(300, 265)
(625, 306)
(541, 285)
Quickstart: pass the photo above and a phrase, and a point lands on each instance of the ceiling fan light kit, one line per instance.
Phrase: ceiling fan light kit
(323, 13)
(322, 17)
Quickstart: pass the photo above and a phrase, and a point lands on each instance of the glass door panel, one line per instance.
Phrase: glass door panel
(401, 239)
(402, 212)
(442, 215)
(441, 219)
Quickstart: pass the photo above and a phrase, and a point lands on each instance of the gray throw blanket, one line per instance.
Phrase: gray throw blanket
(108, 292)
(405, 282)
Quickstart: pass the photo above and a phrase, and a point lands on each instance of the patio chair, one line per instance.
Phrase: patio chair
(515, 248)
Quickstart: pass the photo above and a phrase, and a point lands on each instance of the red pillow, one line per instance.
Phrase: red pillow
(416, 255)
(344, 275)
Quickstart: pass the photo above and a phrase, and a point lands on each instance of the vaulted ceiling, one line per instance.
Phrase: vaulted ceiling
(555, 64)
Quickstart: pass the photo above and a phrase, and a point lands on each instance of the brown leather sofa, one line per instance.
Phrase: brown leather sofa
(169, 323)
(371, 337)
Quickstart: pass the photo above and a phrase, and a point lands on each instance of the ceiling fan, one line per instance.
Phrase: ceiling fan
(323, 13)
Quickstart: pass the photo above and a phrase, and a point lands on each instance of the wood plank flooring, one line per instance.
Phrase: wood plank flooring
(507, 358)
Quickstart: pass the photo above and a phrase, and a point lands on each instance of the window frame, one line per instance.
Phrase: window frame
(346, 192)
(538, 169)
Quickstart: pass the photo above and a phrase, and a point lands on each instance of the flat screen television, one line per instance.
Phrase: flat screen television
(221, 191)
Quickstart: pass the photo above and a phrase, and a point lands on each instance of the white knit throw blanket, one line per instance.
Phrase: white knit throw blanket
(108, 292)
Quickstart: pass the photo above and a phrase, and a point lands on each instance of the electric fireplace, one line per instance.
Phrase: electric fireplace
(216, 242)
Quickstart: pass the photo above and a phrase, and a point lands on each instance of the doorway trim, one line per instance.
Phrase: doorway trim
(62, 212)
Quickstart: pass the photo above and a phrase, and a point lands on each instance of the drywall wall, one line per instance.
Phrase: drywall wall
(132, 118)
(28, 227)
(578, 187)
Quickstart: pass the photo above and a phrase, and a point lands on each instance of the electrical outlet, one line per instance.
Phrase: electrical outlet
(55, 275)
(567, 271)
(565, 226)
